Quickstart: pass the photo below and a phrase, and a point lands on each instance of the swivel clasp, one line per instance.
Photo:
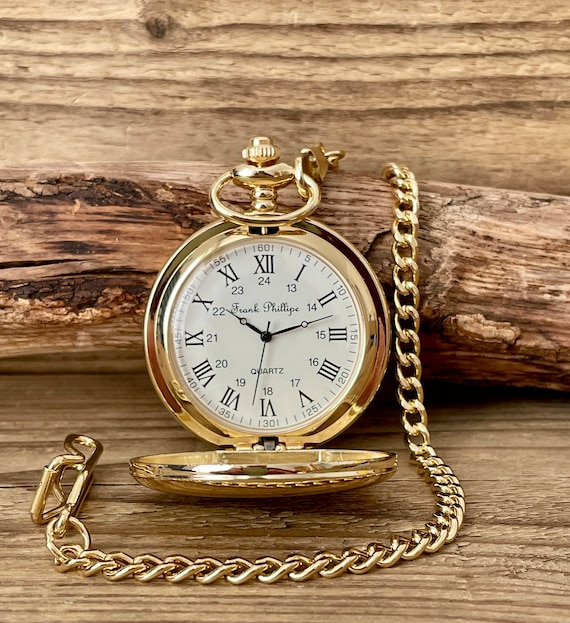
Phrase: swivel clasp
(51, 483)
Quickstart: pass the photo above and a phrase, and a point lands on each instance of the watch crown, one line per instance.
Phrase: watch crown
(261, 151)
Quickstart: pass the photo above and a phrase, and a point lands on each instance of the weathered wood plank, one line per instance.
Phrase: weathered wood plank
(471, 92)
(509, 563)
(81, 247)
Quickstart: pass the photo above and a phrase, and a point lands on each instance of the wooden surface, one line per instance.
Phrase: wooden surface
(82, 246)
(509, 564)
(472, 92)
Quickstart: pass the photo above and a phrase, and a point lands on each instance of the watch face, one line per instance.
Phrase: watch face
(266, 336)
(281, 336)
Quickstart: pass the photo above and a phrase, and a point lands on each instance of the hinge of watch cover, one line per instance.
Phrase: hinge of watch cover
(269, 444)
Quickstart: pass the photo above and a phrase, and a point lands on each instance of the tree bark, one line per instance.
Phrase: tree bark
(81, 246)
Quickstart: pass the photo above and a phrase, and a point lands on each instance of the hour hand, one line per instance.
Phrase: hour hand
(244, 321)
(303, 324)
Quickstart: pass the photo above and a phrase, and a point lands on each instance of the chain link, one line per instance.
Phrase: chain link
(449, 497)
(406, 301)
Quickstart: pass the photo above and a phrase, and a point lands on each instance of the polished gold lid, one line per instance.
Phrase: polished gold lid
(230, 473)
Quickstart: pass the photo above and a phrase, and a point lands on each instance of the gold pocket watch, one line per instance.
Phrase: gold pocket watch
(267, 334)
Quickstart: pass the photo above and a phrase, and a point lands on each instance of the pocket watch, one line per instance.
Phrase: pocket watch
(267, 334)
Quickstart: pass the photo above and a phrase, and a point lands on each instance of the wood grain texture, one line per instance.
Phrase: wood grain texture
(83, 245)
(471, 92)
(510, 562)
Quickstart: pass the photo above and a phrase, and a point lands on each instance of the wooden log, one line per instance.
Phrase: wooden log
(81, 246)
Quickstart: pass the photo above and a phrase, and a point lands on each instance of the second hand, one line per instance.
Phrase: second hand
(267, 339)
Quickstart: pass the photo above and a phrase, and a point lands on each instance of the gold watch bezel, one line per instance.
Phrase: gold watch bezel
(316, 238)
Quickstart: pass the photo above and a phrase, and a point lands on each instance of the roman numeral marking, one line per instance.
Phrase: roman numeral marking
(229, 273)
(300, 273)
(338, 335)
(206, 304)
(204, 372)
(327, 298)
(329, 370)
(264, 264)
(230, 399)
(304, 397)
(194, 339)
(267, 408)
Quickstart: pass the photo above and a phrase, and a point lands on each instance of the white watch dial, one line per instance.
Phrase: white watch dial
(266, 336)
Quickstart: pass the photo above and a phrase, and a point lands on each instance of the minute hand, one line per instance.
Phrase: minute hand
(303, 324)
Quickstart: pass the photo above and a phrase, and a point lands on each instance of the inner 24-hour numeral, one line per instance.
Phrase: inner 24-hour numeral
(204, 372)
(329, 370)
(229, 273)
(194, 339)
(265, 264)
(230, 399)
